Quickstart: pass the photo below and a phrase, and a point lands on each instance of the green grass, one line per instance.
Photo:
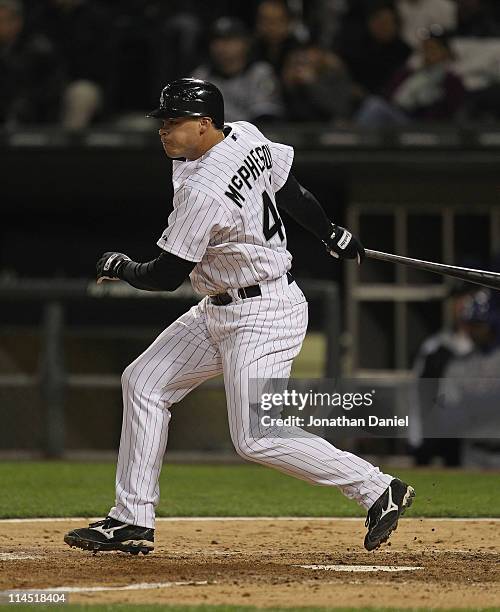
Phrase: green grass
(58, 489)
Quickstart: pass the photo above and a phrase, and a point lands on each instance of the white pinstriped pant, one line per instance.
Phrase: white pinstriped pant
(249, 339)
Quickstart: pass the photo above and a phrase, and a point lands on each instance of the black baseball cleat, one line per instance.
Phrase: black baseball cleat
(110, 534)
(383, 516)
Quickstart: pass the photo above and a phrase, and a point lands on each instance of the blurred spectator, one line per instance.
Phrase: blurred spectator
(470, 388)
(418, 16)
(81, 31)
(31, 75)
(316, 86)
(475, 19)
(325, 18)
(375, 53)
(434, 356)
(170, 42)
(274, 38)
(430, 93)
(251, 91)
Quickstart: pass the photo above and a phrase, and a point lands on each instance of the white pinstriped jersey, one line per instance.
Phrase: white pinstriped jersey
(225, 215)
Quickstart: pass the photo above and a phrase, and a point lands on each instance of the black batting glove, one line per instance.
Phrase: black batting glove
(108, 266)
(344, 245)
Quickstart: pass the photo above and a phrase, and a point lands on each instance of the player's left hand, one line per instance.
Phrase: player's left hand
(108, 266)
(344, 245)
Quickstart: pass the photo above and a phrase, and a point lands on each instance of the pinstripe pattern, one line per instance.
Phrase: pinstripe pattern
(181, 358)
(250, 339)
(253, 339)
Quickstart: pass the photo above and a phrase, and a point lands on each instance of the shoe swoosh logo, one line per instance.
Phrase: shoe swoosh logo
(391, 506)
(108, 533)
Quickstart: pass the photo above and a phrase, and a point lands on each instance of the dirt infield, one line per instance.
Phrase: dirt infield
(254, 562)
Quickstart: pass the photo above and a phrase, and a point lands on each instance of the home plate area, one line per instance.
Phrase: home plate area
(265, 562)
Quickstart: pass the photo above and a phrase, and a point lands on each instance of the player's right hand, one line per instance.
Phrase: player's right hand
(108, 266)
(344, 245)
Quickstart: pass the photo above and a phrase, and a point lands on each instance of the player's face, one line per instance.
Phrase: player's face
(180, 136)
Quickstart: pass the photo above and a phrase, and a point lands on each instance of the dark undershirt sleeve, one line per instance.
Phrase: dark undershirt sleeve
(304, 208)
(165, 273)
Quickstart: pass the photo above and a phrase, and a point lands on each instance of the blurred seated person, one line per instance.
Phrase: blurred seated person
(432, 92)
(250, 89)
(376, 52)
(31, 75)
(274, 38)
(316, 86)
(417, 16)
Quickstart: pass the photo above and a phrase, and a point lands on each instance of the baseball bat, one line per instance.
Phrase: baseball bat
(480, 277)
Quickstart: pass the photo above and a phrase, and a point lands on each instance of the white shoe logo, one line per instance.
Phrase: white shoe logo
(391, 506)
(109, 533)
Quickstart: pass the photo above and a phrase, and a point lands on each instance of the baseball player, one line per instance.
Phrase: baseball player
(227, 235)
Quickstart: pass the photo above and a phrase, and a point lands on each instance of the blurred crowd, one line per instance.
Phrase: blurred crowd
(347, 62)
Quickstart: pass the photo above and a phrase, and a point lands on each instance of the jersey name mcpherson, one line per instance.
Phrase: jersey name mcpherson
(254, 164)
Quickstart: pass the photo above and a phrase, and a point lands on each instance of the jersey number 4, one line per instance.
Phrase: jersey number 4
(271, 216)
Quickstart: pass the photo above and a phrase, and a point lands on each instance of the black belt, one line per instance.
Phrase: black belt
(223, 299)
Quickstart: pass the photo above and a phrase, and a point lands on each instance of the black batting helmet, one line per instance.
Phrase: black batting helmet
(191, 98)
